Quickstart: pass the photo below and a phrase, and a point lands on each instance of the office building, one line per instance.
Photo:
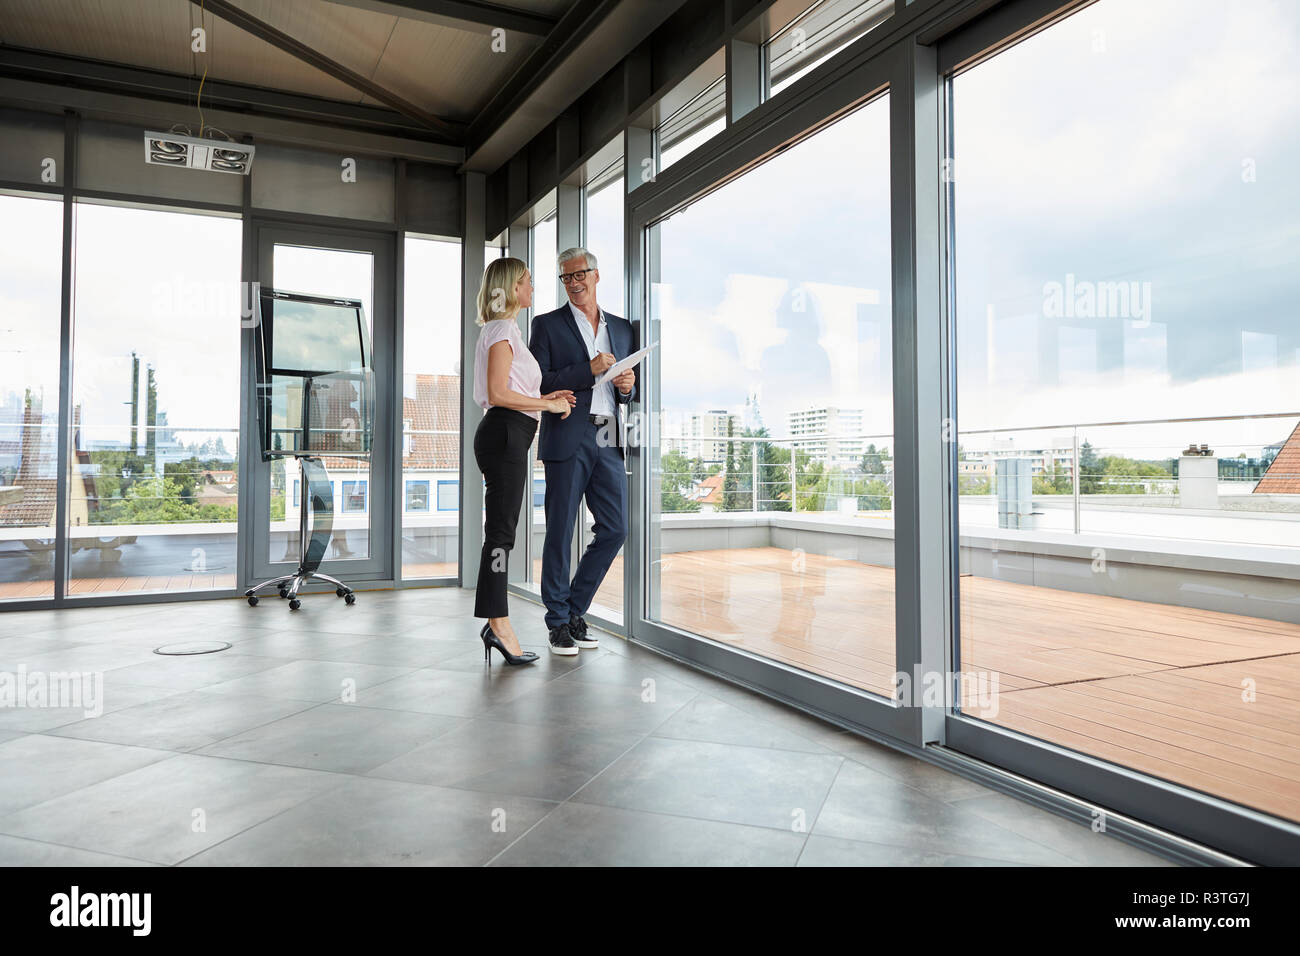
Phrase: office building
(927, 236)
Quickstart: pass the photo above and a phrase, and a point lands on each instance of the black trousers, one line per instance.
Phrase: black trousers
(502, 448)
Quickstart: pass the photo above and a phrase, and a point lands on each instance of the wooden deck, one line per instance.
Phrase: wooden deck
(1202, 698)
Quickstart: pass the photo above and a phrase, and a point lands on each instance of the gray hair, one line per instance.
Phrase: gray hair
(574, 253)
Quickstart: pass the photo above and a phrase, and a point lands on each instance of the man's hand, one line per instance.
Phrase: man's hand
(602, 361)
(625, 381)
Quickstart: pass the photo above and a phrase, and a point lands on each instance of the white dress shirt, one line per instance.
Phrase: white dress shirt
(602, 396)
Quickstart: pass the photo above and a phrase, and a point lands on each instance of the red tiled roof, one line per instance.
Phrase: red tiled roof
(434, 414)
(713, 494)
(38, 467)
(1283, 475)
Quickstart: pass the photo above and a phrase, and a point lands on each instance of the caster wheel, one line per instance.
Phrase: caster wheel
(340, 592)
(350, 598)
(252, 600)
(295, 604)
(284, 592)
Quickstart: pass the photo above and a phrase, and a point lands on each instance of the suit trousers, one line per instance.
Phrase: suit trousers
(594, 472)
(502, 448)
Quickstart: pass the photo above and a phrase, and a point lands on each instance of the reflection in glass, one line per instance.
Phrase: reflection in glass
(155, 400)
(431, 406)
(30, 285)
(604, 198)
(771, 473)
(1129, 390)
(817, 34)
(692, 112)
(344, 274)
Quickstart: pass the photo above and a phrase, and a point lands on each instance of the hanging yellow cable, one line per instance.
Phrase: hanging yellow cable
(198, 102)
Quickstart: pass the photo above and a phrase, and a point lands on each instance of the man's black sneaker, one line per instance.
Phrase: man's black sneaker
(578, 627)
(562, 641)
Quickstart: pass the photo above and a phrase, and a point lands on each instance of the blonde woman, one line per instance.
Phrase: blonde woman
(507, 386)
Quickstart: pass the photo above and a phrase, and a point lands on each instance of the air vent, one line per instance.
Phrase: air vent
(189, 152)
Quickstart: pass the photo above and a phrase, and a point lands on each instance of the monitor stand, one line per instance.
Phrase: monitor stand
(310, 550)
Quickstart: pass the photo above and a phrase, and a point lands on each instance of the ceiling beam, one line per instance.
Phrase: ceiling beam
(151, 113)
(590, 39)
(180, 89)
(460, 14)
(264, 31)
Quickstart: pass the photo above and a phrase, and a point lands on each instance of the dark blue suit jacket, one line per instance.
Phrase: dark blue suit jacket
(560, 350)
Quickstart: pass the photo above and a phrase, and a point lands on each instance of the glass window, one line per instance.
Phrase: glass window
(776, 385)
(603, 194)
(349, 274)
(431, 400)
(604, 198)
(31, 276)
(693, 112)
(449, 495)
(817, 34)
(417, 496)
(354, 496)
(155, 401)
(546, 295)
(1127, 263)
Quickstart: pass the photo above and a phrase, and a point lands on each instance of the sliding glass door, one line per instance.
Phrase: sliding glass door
(763, 512)
(353, 266)
(1126, 240)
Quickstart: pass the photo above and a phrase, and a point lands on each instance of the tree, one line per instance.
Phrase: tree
(873, 461)
(677, 477)
(1057, 481)
(1089, 470)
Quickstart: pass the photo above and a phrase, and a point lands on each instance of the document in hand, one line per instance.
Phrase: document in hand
(623, 364)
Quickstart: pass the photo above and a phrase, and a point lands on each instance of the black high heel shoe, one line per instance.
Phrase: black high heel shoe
(490, 640)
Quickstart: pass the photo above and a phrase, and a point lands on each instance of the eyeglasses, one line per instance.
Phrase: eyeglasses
(567, 277)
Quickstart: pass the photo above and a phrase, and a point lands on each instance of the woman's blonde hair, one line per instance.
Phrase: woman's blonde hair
(496, 296)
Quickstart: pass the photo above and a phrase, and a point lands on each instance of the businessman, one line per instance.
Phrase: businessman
(583, 454)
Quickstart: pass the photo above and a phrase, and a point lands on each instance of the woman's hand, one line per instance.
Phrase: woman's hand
(561, 400)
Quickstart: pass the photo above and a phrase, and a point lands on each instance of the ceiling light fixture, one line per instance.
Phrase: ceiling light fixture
(192, 152)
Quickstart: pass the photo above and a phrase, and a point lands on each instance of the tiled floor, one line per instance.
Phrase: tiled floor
(375, 735)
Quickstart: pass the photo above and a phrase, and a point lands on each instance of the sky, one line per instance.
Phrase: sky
(1109, 148)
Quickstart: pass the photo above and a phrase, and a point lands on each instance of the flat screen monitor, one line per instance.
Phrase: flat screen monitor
(316, 383)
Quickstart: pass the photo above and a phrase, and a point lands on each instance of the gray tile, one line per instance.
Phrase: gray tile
(86, 658)
(36, 768)
(610, 668)
(588, 704)
(343, 738)
(931, 780)
(15, 851)
(552, 665)
(63, 620)
(368, 822)
(774, 711)
(589, 835)
(17, 649)
(872, 807)
(191, 672)
(170, 810)
(290, 645)
(318, 681)
(458, 693)
(831, 851)
(707, 718)
(1081, 843)
(391, 650)
(532, 761)
(182, 722)
(114, 695)
(781, 789)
